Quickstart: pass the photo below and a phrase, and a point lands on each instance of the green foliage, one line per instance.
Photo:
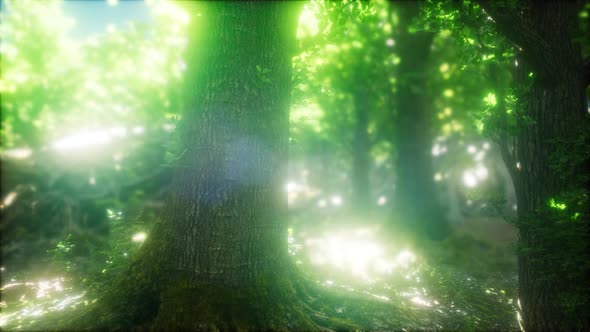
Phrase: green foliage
(34, 51)
(93, 115)
(62, 254)
(53, 85)
(96, 261)
(482, 55)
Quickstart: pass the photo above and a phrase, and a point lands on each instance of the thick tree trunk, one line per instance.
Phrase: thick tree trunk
(553, 246)
(416, 204)
(549, 168)
(218, 258)
(224, 229)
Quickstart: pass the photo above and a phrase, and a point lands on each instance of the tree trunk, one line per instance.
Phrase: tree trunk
(218, 257)
(549, 168)
(553, 250)
(553, 244)
(360, 154)
(416, 205)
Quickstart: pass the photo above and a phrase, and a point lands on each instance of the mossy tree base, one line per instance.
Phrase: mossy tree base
(216, 308)
(183, 307)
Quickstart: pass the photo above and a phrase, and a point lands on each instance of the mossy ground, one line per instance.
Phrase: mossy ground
(473, 283)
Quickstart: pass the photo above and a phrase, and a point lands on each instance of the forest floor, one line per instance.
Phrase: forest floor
(368, 279)
(467, 282)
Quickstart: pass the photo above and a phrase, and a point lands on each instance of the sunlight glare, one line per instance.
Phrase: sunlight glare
(292, 186)
(9, 199)
(137, 130)
(308, 23)
(421, 301)
(438, 150)
(481, 172)
(49, 295)
(479, 156)
(168, 127)
(18, 153)
(469, 179)
(405, 258)
(139, 237)
(336, 200)
(357, 252)
(519, 316)
(81, 140)
(381, 297)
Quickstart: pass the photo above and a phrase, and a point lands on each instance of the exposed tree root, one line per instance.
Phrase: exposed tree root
(150, 298)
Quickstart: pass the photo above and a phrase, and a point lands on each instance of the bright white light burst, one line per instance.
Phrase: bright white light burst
(139, 237)
(469, 179)
(292, 186)
(357, 252)
(336, 200)
(18, 153)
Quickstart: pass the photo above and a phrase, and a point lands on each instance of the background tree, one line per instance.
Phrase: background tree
(413, 132)
(338, 76)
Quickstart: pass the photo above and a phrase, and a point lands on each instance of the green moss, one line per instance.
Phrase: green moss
(266, 305)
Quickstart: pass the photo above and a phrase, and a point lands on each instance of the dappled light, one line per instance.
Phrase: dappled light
(294, 166)
(26, 302)
(87, 138)
(357, 252)
(139, 237)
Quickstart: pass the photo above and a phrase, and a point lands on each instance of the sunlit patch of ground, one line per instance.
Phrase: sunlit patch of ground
(358, 260)
(24, 303)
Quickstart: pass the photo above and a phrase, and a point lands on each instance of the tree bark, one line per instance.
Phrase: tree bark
(218, 257)
(552, 155)
(416, 205)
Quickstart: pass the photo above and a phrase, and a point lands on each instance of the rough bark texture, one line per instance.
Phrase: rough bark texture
(218, 257)
(225, 236)
(223, 219)
(552, 153)
(416, 204)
